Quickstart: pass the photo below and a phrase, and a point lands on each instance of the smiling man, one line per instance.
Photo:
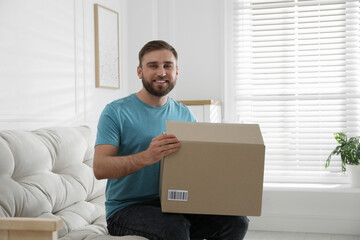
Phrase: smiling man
(129, 145)
(161, 73)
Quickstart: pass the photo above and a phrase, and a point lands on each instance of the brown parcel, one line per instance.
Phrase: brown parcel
(218, 169)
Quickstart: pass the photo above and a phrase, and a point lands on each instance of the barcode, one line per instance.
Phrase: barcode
(178, 195)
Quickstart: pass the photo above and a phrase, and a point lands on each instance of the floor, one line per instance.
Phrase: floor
(267, 235)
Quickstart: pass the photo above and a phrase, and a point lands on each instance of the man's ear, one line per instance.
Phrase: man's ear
(139, 72)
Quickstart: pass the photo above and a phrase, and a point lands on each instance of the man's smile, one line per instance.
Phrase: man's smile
(162, 81)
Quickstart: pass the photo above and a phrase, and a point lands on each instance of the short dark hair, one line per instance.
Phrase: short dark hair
(156, 45)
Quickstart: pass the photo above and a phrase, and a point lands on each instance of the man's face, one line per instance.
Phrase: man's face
(158, 72)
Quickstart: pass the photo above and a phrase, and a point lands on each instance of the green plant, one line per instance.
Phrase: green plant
(349, 150)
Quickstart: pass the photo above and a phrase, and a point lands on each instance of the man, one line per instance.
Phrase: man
(129, 145)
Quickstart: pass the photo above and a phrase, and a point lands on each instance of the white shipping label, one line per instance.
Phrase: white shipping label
(178, 195)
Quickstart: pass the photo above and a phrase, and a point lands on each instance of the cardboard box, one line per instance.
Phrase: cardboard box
(218, 170)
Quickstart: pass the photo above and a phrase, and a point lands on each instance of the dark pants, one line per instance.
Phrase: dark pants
(147, 220)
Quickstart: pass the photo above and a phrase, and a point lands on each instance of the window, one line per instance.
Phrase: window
(295, 71)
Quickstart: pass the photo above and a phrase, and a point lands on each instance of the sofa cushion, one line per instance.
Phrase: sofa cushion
(48, 173)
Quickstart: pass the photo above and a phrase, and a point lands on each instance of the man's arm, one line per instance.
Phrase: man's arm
(108, 165)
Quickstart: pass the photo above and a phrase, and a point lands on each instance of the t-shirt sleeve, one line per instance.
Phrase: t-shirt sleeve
(109, 127)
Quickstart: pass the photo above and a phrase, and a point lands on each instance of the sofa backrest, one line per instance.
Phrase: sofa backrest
(48, 173)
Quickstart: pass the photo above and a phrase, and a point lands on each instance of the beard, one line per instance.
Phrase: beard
(158, 90)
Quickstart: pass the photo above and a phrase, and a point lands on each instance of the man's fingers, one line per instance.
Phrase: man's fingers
(165, 135)
(170, 141)
(165, 139)
(169, 146)
(169, 151)
(163, 145)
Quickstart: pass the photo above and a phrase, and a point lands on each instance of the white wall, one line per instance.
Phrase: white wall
(39, 78)
(47, 56)
(317, 208)
(47, 63)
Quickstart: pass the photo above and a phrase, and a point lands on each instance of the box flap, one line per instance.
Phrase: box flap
(215, 132)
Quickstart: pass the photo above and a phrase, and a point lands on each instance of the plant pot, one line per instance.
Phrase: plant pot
(354, 172)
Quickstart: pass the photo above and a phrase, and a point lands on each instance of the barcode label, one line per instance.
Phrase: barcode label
(178, 195)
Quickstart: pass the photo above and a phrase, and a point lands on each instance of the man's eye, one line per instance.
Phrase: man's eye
(153, 66)
(167, 66)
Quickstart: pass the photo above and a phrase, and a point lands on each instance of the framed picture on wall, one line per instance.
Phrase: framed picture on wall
(107, 66)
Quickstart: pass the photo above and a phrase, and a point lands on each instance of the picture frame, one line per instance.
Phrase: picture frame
(107, 64)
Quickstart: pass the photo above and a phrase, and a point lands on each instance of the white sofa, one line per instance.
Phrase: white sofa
(47, 173)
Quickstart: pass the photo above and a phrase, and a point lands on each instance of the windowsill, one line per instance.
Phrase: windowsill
(311, 187)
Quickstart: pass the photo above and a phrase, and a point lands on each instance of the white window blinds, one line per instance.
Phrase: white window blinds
(295, 71)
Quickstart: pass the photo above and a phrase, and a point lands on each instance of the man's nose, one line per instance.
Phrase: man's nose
(161, 71)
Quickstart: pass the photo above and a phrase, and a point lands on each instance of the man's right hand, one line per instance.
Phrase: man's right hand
(108, 165)
(160, 147)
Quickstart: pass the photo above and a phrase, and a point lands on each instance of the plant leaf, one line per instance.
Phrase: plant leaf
(349, 150)
(336, 151)
(340, 138)
(327, 163)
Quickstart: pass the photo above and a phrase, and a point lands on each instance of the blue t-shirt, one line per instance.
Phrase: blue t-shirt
(130, 125)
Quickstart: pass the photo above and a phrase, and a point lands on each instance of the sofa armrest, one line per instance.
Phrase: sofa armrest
(29, 228)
